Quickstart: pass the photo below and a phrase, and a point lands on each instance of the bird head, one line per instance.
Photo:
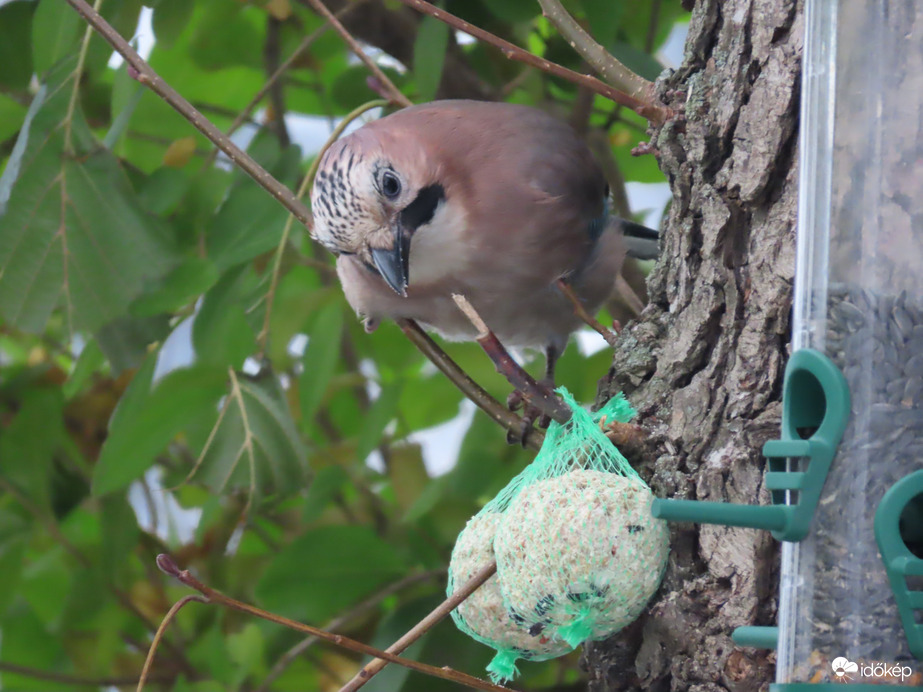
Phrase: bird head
(369, 203)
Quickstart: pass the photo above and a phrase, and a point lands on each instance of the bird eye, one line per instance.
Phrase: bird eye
(390, 184)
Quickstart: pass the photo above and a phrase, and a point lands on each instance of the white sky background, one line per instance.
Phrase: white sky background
(440, 444)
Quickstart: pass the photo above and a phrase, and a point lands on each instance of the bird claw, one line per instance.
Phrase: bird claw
(530, 414)
(515, 400)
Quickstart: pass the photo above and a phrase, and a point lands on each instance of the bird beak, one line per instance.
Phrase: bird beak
(394, 264)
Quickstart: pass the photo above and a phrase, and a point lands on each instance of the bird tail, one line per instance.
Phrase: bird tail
(642, 242)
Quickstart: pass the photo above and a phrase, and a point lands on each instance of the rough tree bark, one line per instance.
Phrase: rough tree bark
(704, 363)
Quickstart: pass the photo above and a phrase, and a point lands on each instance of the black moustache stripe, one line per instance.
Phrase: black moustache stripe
(421, 210)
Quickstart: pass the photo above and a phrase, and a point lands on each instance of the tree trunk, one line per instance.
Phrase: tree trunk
(704, 363)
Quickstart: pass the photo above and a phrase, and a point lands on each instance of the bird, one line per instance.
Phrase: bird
(490, 200)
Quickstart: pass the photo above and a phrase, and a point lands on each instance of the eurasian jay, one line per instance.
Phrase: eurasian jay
(493, 201)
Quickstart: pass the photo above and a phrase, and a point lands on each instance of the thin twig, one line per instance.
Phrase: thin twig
(427, 346)
(166, 564)
(610, 69)
(532, 391)
(151, 79)
(646, 109)
(247, 446)
(158, 635)
(394, 93)
(374, 667)
(580, 311)
(263, 337)
(598, 142)
(630, 438)
(471, 389)
(78, 71)
(306, 42)
(368, 604)
(52, 527)
(627, 293)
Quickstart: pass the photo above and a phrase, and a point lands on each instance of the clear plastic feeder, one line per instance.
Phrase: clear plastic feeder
(859, 300)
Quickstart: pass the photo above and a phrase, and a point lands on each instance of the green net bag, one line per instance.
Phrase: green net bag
(578, 552)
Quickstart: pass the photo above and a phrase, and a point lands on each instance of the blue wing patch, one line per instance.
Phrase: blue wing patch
(597, 225)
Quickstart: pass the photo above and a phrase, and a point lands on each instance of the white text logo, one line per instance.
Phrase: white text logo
(844, 669)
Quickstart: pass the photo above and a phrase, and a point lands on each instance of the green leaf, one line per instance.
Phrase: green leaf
(254, 444)
(45, 585)
(12, 115)
(72, 233)
(55, 32)
(603, 18)
(246, 649)
(429, 56)
(123, 16)
(163, 190)
(14, 163)
(126, 341)
(513, 11)
(299, 299)
(248, 224)
(15, 48)
(392, 627)
(89, 362)
(125, 112)
(350, 87)
(320, 359)
(221, 334)
(225, 34)
(637, 60)
(326, 570)
(428, 401)
(120, 533)
(27, 642)
(382, 412)
(29, 442)
(178, 288)
(324, 487)
(12, 560)
(170, 18)
(146, 421)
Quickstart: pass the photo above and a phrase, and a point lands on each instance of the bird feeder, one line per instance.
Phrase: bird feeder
(846, 479)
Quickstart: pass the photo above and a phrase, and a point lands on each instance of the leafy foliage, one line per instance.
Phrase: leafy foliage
(157, 395)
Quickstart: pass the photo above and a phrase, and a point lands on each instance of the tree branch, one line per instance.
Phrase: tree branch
(306, 42)
(368, 604)
(534, 392)
(167, 619)
(166, 564)
(647, 109)
(581, 312)
(611, 70)
(52, 527)
(284, 196)
(599, 145)
(395, 32)
(441, 611)
(395, 93)
(262, 338)
(471, 389)
(151, 79)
